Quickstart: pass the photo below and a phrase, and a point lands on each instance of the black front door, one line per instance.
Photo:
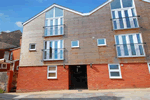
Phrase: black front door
(78, 77)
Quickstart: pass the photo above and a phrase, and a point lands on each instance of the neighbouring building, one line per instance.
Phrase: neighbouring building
(107, 48)
(9, 59)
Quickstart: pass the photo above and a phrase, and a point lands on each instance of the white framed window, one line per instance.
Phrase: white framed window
(129, 45)
(32, 46)
(53, 50)
(3, 66)
(124, 14)
(114, 71)
(75, 44)
(52, 72)
(101, 42)
(54, 22)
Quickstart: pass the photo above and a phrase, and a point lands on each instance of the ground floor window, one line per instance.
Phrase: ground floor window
(52, 72)
(148, 67)
(114, 71)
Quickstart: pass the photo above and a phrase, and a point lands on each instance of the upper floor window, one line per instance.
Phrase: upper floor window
(74, 44)
(101, 42)
(54, 22)
(32, 46)
(129, 45)
(53, 50)
(124, 14)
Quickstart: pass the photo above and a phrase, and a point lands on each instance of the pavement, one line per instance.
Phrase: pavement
(113, 94)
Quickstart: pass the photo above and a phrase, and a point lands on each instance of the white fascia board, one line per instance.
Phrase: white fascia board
(147, 1)
(79, 13)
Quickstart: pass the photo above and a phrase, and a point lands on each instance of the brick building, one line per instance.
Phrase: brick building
(104, 49)
(9, 59)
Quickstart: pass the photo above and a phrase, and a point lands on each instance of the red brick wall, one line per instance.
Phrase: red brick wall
(35, 79)
(133, 76)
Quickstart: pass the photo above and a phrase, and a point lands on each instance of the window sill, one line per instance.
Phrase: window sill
(115, 77)
(75, 47)
(130, 56)
(54, 35)
(52, 78)
(102, 45)
(125, 29)
(32, 50)
(52, 59)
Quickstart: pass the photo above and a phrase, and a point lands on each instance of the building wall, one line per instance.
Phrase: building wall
(87, 30)
(16, 54)
(2, 54)
(35, 79)
(133, 76)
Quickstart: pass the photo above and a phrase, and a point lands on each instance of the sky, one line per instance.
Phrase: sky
(14, 12)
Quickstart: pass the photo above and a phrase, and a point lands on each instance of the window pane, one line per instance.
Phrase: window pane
(114, 73)
(74, 43)
(115, 4)
(50, 51)
(52, 75)
(118, 51)
(133, 13)
(135, 22)
(138, 38)
(49, 14)
(45, 54)
(127, 3)
(117, 40)
(120, 19)
(125, 46)
(113, 14)
(127, 19)
(51, 27)
(141, 50)
(46, 45)
(115, 24)
(56, 49)
(114, 66)
(58, 12)
(52, 68)
(32, 46)
(46, 31)
(132, 45)
(101, 41)
(56, 26)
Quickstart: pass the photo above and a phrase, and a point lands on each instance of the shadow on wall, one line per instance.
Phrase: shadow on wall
(62, 97)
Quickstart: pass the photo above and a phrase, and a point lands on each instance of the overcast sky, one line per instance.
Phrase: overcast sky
(14, 12)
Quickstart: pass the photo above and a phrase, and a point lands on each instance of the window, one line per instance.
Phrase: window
(17, 68)
(3, 66)
(124, 14)
(54, 22)
(114, 71)
(32, 47)
(101, 42)
(129, 45)
(52, 72)
(75, 43)
(53, 50)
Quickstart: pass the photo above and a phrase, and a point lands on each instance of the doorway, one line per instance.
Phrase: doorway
(78, 77)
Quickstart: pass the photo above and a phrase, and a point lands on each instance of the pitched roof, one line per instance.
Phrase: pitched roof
(10, 40)
(79, 13)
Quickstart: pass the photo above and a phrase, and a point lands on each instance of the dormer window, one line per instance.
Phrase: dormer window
(124, 14)
(54, 22)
